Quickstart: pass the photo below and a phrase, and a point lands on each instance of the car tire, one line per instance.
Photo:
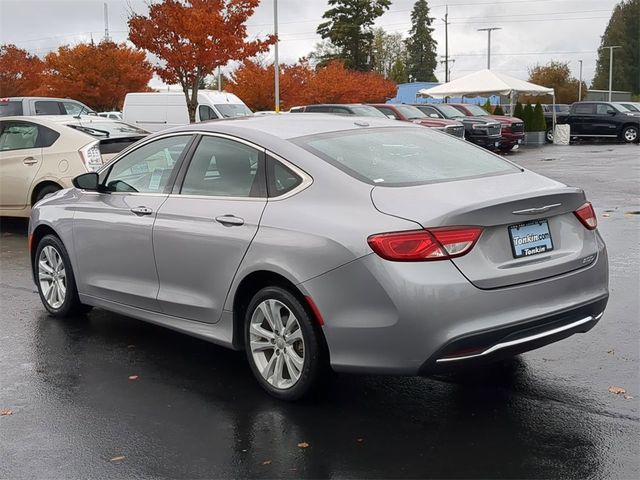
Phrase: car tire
(44, 191)
(630, 134)
(548, 135)
(291, 363)
(55, 279)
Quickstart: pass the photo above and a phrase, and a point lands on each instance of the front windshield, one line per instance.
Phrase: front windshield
(410, 112)
(230, 110)
(476, 110)
(364, 111)
(450, 112)
(621, 108)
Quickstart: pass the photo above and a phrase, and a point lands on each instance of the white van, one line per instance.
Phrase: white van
(156, 111)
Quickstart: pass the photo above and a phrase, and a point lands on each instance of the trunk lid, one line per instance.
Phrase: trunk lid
(496, 203)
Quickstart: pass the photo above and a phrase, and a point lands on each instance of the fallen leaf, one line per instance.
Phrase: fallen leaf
(267, 462)
(617, 390)
(133, 377)
(5, 411)
(628, 397)
(118, 458)
(303, 445)
(612, 351)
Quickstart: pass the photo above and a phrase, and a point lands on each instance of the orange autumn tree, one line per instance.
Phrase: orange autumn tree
(192, 38)
(20, 72)
(302, 85)
(97, 75)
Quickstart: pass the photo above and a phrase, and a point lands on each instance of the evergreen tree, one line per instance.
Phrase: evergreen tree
(527, 117)
(518, 111)
(398, 72)
(538, 123)
(487, 106)
(498, 110)
(421, 47)
(348, 27)
(623, 30)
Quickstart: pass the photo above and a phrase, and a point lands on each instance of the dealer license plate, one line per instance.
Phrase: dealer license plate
(530, 238)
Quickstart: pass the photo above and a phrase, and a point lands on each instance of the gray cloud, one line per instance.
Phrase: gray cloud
(533, 31)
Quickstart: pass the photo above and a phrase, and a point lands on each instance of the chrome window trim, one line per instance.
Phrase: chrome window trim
(307, 179)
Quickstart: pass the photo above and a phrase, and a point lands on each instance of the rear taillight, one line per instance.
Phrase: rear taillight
(424, 245)
(587, 216)
(90, 155)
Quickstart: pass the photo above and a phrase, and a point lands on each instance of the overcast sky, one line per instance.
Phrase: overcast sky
(533, 31)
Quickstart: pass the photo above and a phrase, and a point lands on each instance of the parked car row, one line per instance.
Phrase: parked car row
(460, 120)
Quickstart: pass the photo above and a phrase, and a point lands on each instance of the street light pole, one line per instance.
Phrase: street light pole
(611, 67)
(276, 66)
(488, 30)
(580, 83)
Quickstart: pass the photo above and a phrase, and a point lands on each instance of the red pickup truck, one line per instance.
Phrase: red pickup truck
(409, 113)
(512, 131)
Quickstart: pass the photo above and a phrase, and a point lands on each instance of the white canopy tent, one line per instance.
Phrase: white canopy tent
(487, 83)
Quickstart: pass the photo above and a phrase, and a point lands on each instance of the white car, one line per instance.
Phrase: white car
(111, 115)
(42, 154)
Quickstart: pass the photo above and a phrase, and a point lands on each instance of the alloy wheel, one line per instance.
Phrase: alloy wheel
(52, 277)
(277, 344)
(631, 135)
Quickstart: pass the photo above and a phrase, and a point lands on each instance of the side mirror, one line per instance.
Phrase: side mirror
(611, 112)
(87, 181)
(391, 116)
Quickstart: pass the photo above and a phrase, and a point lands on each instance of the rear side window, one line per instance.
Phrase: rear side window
(10, 108)
(280, 179)
(585, 109)
(224, 168)
(403, 156)
(48, 107)
(18, 136)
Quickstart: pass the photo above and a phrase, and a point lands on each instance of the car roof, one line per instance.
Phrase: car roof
(62, 118)
(290, 125)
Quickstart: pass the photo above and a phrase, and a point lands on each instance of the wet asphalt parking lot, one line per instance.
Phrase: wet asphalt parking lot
(107, 396)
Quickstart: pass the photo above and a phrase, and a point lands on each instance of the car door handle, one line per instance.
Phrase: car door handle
(142, 211)
(230, 220)
(30, 161)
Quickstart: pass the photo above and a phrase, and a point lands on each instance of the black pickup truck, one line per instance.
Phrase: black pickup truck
(598, 119)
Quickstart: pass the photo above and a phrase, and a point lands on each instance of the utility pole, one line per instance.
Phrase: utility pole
(219, 79)
(611, 48)
(446, 43)
(488, 30)
(580, 83)
(106, 23)
(276, 66)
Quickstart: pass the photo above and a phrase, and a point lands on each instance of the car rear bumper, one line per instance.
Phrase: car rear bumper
(401, 318)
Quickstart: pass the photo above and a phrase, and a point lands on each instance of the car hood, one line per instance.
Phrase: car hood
(435, 122)
(503, 119)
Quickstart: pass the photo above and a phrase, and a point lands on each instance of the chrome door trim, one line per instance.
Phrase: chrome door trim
(500, 346)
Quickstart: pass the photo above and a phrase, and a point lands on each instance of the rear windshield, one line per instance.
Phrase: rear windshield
(410, 112)
(365, 111)
(108, 129)
(403, 156)
(10, 108)
(230, 110)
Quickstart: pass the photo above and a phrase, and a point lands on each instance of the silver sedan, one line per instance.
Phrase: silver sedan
(319, 242)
